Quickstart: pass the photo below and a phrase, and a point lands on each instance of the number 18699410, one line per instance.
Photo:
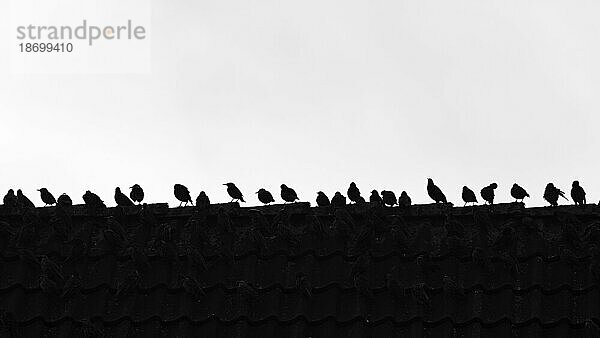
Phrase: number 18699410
(47, 47)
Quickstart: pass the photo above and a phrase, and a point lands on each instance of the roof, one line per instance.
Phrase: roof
(299, 271)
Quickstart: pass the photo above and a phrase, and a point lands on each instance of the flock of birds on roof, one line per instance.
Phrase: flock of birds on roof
(288, 195)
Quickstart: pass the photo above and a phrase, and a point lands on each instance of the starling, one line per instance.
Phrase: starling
(202, 201)
(487, 193)
(288, 194)
(234, 192)
(389, 198)
(435, 193)
(468, 195)
(264, 196)
(182, 194)
(577, 194)
(136, 193)
(23, 201)
(354, 193)
(375, 198)
(551, 194)
(338, 200)
(122, 199)
(518, 193)
(47, 197)
(322, 199)
(10, 200)
(404, 200)
(92, 200)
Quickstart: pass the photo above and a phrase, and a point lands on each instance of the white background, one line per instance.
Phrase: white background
(316, 94)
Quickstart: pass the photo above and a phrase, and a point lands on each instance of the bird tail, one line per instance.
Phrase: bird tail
(562, 194)
(242, 199)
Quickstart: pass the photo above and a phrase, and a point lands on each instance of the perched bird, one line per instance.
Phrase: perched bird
(122, 199)
(487, 193)
(136, 193)
(435, 193)
(234, 192)
(10, 200)
(468, 195)
(47, 197)
(23, 201)
(389, 198)
(92, 200)
(322, 199)
(404, 200)
(354, 193)
(375, 198)
(288, 194)
(202, 201)
(551, 194)
(577, 193)
(182, 194)
(264, 196)
(518, 192)
(338, 200)
(64, 201)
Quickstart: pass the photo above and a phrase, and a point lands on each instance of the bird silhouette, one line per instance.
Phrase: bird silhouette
(288, 194)
(375, 198)
(64, 201)
(92, 200)
(388, 197)
(551, 194)
(23, 201)
(578, 194)
(404, 200)
(182, 194)
(47, 197)
(322, 199)
(338, 200)
(10, 200)
(468, 195)
(121, 199)
(136, 193)
(487, 193)
(234, 192)
(435, 193)
(264, 196)
(518, 192)
(354, 193)
(202, 201)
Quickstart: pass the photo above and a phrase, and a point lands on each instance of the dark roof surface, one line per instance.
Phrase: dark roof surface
(297, 271)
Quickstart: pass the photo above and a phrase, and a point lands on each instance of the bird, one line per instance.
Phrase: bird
(404, 200)
(202, 201)
(182, 194)
(288, 194)
(322, 199)
(10, 200)
(388, 197)
(375, 198)
(468, 195)
(338, 200)
(487, 193)
(578, 194)
(92, 200)
(47, 197)
(64, 201)
(23, 201)
(122, 199)
(234, 192)
(518, 192)
(551, 194)
(354, 193)
(136, 193)
(264, 196)
(435, 193)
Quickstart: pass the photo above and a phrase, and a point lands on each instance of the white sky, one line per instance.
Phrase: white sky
(316, 94)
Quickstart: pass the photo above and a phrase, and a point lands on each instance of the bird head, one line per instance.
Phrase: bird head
(429, 181)
(374, 192)
(283, 186)
(19, 192)
(353, 185)
(229, 184)
(259, 190)
(403, 193)
(549, 186)
(465, 188)
(337, 193)
(320, 193)
(515, 185)
(575, 183)
(117, 189)
(42, 189)
(134, 186)
(493, 185)
(202, 193)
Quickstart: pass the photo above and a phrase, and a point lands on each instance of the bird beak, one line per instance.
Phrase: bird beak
(256, 192)
(224, 183)
(130, 187)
